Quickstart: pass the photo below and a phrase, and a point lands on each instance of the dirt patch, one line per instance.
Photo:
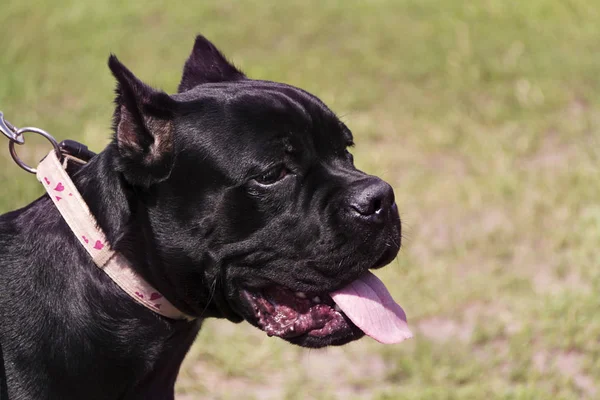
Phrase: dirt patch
(448, 164)
(339, 372)
(214, 382)
(442, 329)
(344, 373)
(445, 229)
(545, 281)
(551, 154)
(568, 364)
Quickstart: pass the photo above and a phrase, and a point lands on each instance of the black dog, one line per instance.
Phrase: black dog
(236, 198)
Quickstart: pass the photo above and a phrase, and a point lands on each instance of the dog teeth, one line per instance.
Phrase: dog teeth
(316, 299)
(300, 295)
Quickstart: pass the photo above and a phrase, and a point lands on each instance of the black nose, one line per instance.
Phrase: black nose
(372, 198)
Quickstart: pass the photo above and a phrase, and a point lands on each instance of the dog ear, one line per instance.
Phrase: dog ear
(143, 124)
(207, 64)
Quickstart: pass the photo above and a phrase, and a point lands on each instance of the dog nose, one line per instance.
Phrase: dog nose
(372, 198)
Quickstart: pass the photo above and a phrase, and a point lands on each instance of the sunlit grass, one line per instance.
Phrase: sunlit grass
(483, 115)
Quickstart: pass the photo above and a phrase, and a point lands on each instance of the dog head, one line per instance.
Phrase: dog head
(252, 206)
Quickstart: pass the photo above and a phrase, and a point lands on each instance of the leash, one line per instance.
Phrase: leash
(52, 174)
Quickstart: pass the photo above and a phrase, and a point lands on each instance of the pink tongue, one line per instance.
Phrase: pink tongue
(368, 304)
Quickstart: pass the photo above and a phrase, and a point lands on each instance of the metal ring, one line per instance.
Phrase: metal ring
(13, 152)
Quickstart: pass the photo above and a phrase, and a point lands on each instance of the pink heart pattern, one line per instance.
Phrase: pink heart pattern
(99, 245)
(85, 239)
(47, 181)
(155, 296)
(58, 198)
(59, 187)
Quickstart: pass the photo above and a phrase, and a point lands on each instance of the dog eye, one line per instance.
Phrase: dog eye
(273, 175)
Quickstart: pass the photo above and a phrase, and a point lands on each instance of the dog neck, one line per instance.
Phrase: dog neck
(123, 212)
(81, 214)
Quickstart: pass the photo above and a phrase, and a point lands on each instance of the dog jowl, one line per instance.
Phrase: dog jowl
(235, 198)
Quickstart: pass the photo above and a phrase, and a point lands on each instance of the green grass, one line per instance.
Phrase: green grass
(484, 115)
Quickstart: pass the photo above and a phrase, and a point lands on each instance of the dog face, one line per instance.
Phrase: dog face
(252, 203)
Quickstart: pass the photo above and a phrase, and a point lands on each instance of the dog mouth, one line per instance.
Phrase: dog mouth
(362, 307)
(281, 312)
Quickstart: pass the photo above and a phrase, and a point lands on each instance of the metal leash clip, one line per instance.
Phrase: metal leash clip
(15, 136)
(10, 131)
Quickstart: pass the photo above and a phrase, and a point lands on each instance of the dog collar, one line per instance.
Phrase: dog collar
(67, 199)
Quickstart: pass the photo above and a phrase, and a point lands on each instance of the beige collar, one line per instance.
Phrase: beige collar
(52, 174)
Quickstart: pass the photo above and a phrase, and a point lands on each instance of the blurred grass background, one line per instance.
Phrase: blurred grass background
(484, 115)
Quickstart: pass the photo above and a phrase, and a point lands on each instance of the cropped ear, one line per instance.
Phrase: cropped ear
(206, 64)
(143, 124)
